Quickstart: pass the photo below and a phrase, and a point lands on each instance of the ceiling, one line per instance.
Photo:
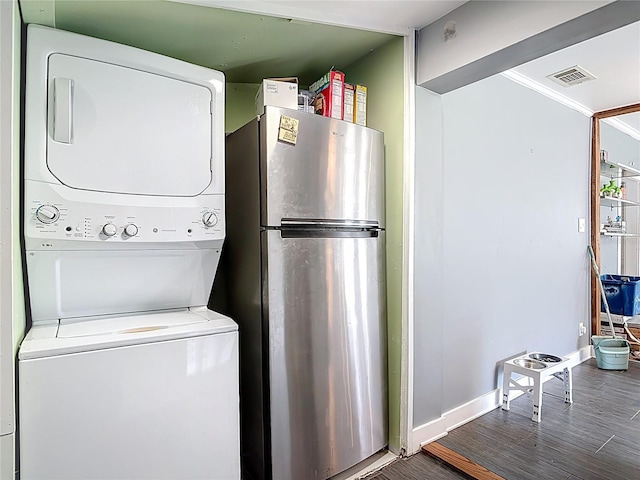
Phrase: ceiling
(247, 47)
(613, 58)
(306, 38)
(387, 16)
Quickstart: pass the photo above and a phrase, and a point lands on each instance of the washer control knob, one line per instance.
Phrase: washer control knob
(47, 213)
(131, 230)
(109, 229)
(210, 219)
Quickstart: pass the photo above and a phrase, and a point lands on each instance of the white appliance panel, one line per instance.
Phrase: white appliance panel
(78, 335)
(128, 325)
(81, 217)
(163, 410)
(182, 78)
(123, 130)
(65, 284)
(124, 373)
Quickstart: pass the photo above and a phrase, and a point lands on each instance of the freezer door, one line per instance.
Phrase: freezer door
(335, 170)
(327, 352)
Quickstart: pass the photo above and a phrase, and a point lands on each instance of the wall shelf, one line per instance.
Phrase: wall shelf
(614, 202)
(619, 170)
(615, 234)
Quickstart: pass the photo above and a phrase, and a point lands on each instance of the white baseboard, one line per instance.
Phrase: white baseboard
(579, 356)
(438, 428)
(426, 433)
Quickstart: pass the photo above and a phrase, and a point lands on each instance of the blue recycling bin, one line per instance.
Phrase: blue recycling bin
(622, 293)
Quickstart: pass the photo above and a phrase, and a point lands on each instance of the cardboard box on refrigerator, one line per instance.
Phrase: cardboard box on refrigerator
(349, 102)
(360, 109)
(277, 92)
(305, 101)
(329, 92)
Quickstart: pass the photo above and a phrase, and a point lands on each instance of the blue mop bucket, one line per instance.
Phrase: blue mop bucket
(611, 353)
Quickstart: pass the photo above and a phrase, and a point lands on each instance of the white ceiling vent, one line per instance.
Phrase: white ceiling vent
(571, 76)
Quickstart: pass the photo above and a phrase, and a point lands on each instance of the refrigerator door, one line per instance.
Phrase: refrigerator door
(325, 313)
(335, 170)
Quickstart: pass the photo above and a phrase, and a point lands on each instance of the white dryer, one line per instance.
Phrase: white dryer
(124, 373)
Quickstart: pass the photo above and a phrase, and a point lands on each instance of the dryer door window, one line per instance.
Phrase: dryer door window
(120, 130)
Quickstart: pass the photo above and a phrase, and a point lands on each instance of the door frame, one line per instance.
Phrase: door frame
(594, 196)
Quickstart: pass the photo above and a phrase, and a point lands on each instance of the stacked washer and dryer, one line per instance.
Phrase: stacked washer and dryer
(124, 374)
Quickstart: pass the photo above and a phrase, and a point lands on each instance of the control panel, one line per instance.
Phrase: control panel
(49, 216)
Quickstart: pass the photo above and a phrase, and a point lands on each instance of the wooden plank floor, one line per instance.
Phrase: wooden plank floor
(459, 463)
(597, 437)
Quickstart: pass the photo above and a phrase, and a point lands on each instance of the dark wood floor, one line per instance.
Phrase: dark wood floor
(595, 438)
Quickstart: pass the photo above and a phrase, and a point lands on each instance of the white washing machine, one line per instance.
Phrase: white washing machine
(124, 374)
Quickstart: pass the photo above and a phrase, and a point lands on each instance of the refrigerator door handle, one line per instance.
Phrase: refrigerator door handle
(323, 223)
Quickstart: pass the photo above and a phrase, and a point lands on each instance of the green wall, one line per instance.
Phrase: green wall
(382, 72)
(239, 106)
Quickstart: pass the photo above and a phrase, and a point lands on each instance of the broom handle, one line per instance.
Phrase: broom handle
(594, 266)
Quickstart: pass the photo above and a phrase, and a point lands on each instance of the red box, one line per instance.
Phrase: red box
(329, 92)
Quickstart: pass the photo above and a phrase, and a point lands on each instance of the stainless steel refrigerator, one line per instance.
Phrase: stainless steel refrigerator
(303, 274)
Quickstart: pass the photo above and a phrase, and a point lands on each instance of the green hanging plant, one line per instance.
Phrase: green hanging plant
(611, 189)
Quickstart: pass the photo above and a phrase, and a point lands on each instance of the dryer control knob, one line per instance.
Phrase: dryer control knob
(109, 230)
(47, 213)
(210, 219)
(131, 230)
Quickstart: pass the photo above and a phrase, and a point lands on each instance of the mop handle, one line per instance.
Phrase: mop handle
(594, 265)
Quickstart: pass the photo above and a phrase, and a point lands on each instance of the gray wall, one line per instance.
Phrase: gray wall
(428, 261)
(502, 268)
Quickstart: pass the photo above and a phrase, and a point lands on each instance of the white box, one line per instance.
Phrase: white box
(349, 101)
(360, 109)
(618, 320)
(276, 93)
(606, 330)
(305, 101)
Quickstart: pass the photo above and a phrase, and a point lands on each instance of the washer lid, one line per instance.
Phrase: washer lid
(120, 130)
(87, 334)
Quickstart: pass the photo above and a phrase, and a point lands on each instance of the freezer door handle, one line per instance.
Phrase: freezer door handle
(321, 223)
(327, 233)
(62, 109)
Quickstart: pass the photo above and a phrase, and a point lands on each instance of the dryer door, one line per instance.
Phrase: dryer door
(120, 130)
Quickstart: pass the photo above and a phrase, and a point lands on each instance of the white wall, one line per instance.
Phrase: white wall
(504, 269)
(11, 295)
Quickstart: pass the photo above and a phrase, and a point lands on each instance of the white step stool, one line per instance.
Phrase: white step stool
(536, 371)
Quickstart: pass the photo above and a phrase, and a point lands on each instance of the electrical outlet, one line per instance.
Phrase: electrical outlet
(581, 329)
(582, 225)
